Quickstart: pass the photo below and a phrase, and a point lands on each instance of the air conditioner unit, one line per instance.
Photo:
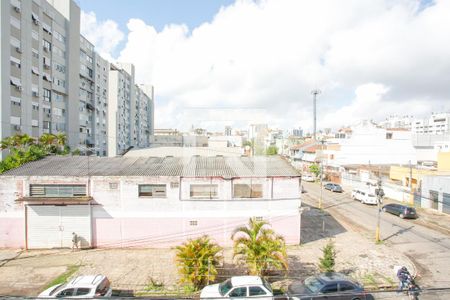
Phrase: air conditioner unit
(17, 9)
(35, 94)
(46, 49)
(18, 50)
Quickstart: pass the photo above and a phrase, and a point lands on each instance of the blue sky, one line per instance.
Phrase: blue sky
(157, 13)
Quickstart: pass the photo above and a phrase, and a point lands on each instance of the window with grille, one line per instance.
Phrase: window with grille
(57, 190)
(204, 191)
(152, 190)
(241, 190)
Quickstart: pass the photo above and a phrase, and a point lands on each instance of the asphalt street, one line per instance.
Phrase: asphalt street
(428, 249)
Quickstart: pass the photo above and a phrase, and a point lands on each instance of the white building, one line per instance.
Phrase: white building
(145, 202)
(130, 117)
(404, 122)
(369, 143)
(436, 124)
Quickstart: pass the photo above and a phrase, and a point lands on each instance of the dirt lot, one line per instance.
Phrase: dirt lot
(27, 273)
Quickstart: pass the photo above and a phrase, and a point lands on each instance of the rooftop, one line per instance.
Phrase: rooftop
(195, 166)
(184, 151)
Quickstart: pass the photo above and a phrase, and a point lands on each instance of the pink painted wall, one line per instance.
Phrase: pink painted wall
(169, 232)
(12, 233)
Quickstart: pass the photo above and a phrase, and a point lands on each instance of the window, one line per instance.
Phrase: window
(203, 191)
(331, 288)
(47, 46)
(15, 22)
(343, 287)
(59, 36)
(241, 190)
(90, 72)
(60, 68)
(113, 185)
(238, 292)
(58, 97)
(15, 61)
(389, 135)
(35, 53)
(34, 35)
(434, 197)
(82, 291)
(58, 51)
(152, 190)
(193, 223)
(47, 95)
(65, 293)
(57, 190)
(256, 291)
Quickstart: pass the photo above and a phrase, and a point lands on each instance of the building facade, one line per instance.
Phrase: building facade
(52, 81)
(39, 68)
(436, 124)
(145, 202)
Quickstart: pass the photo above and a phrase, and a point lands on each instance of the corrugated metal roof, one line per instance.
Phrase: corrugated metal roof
(195, 166)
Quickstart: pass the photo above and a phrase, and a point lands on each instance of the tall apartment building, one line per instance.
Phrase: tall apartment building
(39, 68)
(436, 124)
(52, 80)
(130, 111)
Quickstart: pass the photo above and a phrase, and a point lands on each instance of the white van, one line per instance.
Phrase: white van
(365, 196)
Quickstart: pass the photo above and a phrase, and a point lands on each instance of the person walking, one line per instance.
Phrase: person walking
(403, 277)
(75, 240)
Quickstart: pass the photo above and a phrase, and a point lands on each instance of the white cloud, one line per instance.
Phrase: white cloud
(266, 56)
(105, 35)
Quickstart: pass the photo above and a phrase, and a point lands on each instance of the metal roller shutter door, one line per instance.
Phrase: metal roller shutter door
(51, 226)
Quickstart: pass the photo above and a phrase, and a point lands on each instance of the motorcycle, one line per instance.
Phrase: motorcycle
(413, 290)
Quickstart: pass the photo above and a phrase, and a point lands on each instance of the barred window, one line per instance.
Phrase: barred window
(204, 191)
(152, 190)
(241, 190)
(57, 190)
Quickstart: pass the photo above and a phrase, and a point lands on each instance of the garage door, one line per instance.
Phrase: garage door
(51, 226)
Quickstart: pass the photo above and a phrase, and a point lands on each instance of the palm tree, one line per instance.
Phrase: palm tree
(61, 140)
(47, 139)
(259, 247)
(197, 260)
(26, 140)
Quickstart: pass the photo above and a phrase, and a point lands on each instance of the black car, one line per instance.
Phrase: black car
(335, 286)
(402, 211)
(334, 187)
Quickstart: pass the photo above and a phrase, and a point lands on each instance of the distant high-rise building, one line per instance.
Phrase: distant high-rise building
(436, 124)
(228, 130)
(130, 111)
(297, 132)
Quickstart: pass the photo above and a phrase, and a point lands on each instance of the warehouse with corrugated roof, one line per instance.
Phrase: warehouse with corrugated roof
(145, 201)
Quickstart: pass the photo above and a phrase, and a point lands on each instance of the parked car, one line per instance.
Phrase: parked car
(239, 287)
(365, 196)
(308, 178)
(402, 211)
(335, 286)
(83, 287)
(334, 187)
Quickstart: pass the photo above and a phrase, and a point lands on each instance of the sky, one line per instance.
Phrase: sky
(218, 63)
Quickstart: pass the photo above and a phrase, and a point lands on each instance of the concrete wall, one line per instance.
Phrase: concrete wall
(440, 184)
(122, 218)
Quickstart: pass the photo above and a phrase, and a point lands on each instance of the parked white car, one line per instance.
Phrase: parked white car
(308, 178)
(82, 287)
(365, 196)
(239, 287)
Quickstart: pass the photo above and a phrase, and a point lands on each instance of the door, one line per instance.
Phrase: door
(434, 198)
(446, 203)
(51, 226)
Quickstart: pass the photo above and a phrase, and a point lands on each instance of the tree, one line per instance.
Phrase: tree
(61, 140)
(327, 262)
(259, 247)
(314, 168)
(272, 150)
(197, 261)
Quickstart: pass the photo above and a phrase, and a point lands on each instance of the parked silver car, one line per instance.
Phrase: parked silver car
(82, 287)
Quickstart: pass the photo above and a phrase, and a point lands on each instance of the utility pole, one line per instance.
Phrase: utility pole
(411, 198)
(380, 193)
(315, 93)
(321, 174)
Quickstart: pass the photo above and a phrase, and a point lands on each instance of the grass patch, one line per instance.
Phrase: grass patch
(64, 276)
(368, 279)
